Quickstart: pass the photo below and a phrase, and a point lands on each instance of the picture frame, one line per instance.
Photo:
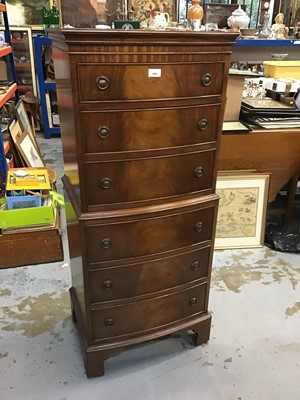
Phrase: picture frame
(29, 151)
(15, 130)
(266, 104)
(219, 12)
(23, 119)
(22, 12)
(235, 127)
(242, 210)
(143, 9)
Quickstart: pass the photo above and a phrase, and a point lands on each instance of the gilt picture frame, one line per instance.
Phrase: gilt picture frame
(242, 210)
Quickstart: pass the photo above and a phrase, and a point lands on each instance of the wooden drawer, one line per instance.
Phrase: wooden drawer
(100, 82)
(110, 131)
(124, 181)
(148, 314)
(140, 237)
(148, 277)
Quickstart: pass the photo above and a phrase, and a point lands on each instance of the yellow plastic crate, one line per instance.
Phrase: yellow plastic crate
(282, 69)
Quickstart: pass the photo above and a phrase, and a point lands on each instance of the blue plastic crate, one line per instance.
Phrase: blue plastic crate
(16, 202)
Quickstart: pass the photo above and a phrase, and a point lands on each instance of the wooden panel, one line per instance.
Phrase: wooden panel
(148, 129)
(152, 178)
(147, 277)
(132, 82)
(162, 310)
(274, 151)
(148, 236)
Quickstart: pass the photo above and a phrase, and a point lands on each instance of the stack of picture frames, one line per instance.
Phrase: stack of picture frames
(23, 137)
(242, 209)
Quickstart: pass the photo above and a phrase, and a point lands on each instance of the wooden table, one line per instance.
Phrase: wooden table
(275, 151)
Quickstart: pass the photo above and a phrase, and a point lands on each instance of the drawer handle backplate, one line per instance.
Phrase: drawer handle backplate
(102, 82)
(106, 183)
(198, 172)
(195, 266)
(202, 124)
(106, 243)
(199, 226)
(206, 79)
(108, 284)
(193, 301)
(109, 322)
(103, 131)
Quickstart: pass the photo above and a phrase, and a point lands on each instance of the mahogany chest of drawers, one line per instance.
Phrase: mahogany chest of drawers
(141, 116)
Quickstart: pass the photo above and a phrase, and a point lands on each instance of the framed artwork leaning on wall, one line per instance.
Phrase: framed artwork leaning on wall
(242, 210)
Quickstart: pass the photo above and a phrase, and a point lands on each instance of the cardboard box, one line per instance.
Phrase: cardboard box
(234, 97)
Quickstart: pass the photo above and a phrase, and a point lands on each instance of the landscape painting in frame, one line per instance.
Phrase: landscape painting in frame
(242, 210)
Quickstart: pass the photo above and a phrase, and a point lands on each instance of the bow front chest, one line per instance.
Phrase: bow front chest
(141, 117)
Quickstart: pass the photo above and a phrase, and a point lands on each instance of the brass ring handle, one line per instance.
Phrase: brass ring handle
(195, 266)
(103, 131)
(199, 226)
(109, 322)
(206, 79)
(198, 172)
(193, 301)
(106, 243)
(105, 183)
(102, 82)
(202, 124)
(108, 284)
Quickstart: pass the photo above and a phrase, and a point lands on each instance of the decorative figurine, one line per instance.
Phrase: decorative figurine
(279, 30)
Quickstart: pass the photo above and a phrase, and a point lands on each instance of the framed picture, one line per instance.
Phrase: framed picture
(23, 119)
(29, 151)
(219, 12)
(15, 130)
(22, 12)
(235, 127)
(144, 9)
(242, 210)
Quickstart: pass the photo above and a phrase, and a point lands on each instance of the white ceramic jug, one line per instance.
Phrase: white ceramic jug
(161, 20)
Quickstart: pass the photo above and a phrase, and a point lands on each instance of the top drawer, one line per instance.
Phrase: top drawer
(99, 82)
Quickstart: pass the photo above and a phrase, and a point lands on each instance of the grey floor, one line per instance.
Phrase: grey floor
(253, 353)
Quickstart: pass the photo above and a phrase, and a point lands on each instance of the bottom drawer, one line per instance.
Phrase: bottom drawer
(142, 316)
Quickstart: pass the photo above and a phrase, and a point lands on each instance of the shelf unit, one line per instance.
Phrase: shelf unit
(259, 50)
(22, 45)
(268, 42)
(44, 86)
(6, 51)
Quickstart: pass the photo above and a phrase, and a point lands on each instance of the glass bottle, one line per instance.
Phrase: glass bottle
(45, 18)
(54, 17)
(195, 15)
(265, 31)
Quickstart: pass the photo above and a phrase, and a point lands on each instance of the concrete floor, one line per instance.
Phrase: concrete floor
(253, 353)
